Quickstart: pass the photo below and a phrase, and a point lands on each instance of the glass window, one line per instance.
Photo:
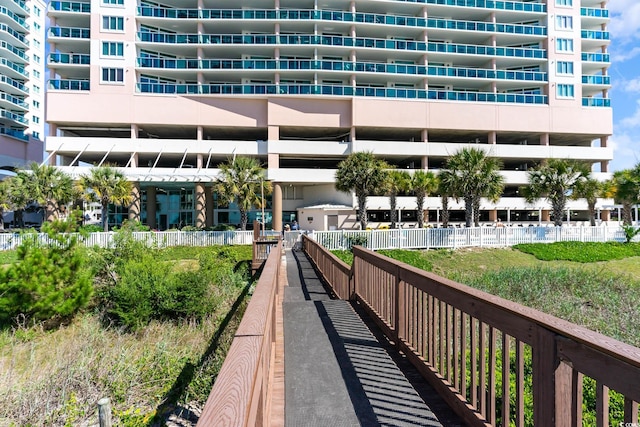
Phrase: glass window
(36, 58)
(113, 75)
(36, 119)
(564, 2)
(564, 45)
(112, 48)
(564, 22)
(565, 91)
(115, 23)
(113, 2)
(37, 11)
(36, 104)
(564, 67)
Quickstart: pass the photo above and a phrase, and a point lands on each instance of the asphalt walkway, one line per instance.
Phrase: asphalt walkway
(338, 371)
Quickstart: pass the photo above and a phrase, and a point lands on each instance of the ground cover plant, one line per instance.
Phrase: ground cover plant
(580, 251)
(155, 360)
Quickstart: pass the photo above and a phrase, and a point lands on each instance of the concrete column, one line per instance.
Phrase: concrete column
(605, 215)
(151, 207)
(134, 131)
(276, 207)
(352, 134)
(133, 160)
(199, 133)
(425, 162)
(136, 203)
(209, 205)
(493, 215)
(544, 139)
(200, 205)
(425, 135)
(200, 161)
(604, 166)
(493, 137)
(273, 161)
(273, 133)
(546, 215)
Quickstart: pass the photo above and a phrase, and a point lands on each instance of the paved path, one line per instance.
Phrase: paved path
(337, 373)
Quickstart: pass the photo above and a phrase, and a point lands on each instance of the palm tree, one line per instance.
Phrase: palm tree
(48, 186)
(17, 197)
(626, 185)
(555, 180)
(398, 181)
(363, 174)
(242, 180)
(474, 175)
(4, 200)
(589, 189)
(423, 183)
(107, 185)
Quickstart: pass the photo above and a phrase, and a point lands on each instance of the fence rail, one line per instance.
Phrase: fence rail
(494, 361)
(241, 394)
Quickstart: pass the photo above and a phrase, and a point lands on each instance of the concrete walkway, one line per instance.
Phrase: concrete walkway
(337, 373)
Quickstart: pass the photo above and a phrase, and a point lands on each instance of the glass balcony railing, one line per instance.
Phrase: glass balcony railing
(339, 16)
(20, 20)
(488, 4)
(70, 32)
(22, 5)
(13, 116)
(596, 102)
(70, 6)
(14, 33)
(67, 84)
(14, 133)
(596, 80)
(18, 85)
(594, 12)
(66, 58)
(18, 52)
(336, 90)
(488, 74)
(595, 35)
(596, 57)
(14, 100)
(15, 67)
(486, 50)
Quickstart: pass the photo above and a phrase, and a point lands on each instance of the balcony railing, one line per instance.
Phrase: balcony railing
(70, 32)
(18, 52)
(595, 35)
(22, 5)
(487, 74)
(339, 16)
(467, 49)
(15, 67)
(15, 34)
(70, 6)
(596, 102)
(20, 20)
(595, 57)
(596, 80)
(13, 116)
(18, 85)
(337, 90)
(68, 84)
(14, 100)
(594, 12)
(66, 58)
(18, 134)
(488, 4)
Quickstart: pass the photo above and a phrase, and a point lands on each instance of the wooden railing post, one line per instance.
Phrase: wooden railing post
(398, 307)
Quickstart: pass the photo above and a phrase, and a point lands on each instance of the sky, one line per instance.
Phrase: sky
(625, 79)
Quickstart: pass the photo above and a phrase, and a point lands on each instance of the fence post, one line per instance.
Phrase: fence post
(104, 412)
(399, 306)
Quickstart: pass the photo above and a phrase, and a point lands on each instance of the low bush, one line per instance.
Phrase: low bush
(580, 251)
(49, 280)
(413, 258)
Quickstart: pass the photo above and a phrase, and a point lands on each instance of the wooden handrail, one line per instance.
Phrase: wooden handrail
(241, 394)
(454, 335)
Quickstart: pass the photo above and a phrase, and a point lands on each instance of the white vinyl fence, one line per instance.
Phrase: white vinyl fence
(453, 238)
(427, 238)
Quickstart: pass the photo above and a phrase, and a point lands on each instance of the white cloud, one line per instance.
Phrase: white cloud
(633, 120)
(625, 55)
(626, 150)
(632, 85)
(625, 19)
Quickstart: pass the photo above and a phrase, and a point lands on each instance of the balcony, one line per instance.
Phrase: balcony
(594, 12)
(13, 102)
(4, 28)
(70, 6)
(466, 49)
(595, 35)
(68, 84)
(596, 57)
(479, 73)
(13, 133)
(12, 69)
(11, 84)
(17, 54)
(9, 16)
(69, 32)
(596, 80)
(11, 118)
(66, 58)
(596, 102)
(20, 4)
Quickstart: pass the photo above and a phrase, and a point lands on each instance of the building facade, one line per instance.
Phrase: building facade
(169, 90)
(22, 82)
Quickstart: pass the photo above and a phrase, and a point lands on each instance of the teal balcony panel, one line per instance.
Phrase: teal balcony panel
(596, 102)
(595, 35)
(594, 12)
(15, 67)
(596, 80)
(70, 32)
(67, 84)
(486, 50)
(13, 116)
(488, 74)
(18, 85)
(596, 57)
(14, 100)
(18, 52)
(22, 5)
(18, 36)
(18, 134)
(66, 58)
(17, 18)
(70, 6)
(489, 4)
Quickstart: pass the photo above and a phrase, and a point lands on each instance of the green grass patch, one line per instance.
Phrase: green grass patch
(580, 251)
(414, 258)
(8, 257)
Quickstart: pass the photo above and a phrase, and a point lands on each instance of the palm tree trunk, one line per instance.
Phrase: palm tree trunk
(476, 211)
(362, 211)
(18, 217)
(445, 211)
(50, 211)
(244, 218)
(394, 213)
(626, 213)
(592, 213)
(557, 206)
(420, 206)
(105, 217)
(468, 210)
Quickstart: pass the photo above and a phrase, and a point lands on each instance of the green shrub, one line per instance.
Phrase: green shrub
(580, 251)
(346, 256)
(92, 228)
(49, 281)
(359, 239)
(413, 258)
(223, 227)
(132, 225)
(630, 232)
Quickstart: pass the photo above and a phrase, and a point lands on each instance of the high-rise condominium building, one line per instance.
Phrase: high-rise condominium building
(168, 90)
(22, 81)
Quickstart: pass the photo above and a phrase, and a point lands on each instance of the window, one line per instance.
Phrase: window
(564, 45)
(36, 43)
(112, 49)
(36, 104)
(36, 89)
(115, 23)
(37, 26)
(565, 91)
(113, 2)
(564, 22)
(37, 11)
(36, 74)
(564, 67)
(36, 119)
(564, 2)
(36, 58)
(113, 75)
